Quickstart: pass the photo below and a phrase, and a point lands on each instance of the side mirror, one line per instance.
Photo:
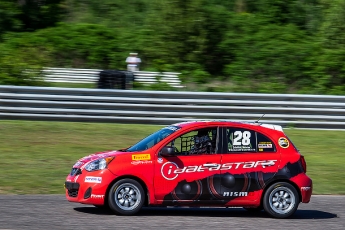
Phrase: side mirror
(168, 151)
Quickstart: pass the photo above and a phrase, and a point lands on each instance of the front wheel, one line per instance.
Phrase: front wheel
(126, 197)
(281, 200)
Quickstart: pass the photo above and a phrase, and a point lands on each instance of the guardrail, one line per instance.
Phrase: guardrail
(165, 107)
(71, 75)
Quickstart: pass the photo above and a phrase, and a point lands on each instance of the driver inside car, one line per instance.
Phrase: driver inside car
(202, 143)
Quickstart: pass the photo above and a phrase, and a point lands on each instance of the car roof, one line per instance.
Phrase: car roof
(227, 122)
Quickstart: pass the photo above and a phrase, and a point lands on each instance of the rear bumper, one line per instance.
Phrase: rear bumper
(305, 185)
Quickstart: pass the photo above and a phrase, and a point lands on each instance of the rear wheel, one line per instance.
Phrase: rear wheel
(126, 197)
(281, 200)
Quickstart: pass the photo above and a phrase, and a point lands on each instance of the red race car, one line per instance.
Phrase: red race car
(199, 163)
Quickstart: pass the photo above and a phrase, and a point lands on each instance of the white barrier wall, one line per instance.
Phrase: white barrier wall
(164, 107)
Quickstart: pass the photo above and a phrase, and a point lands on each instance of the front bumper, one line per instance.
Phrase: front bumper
(89, 187)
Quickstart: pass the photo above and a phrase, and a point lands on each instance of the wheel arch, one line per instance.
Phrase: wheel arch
(140, 181)
(277, 181)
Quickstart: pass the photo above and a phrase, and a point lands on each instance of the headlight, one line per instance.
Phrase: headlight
(98, 164)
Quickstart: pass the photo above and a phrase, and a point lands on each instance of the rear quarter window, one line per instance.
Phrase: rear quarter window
(265, 144)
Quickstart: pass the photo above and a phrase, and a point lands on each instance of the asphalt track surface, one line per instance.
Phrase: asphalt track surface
(54, 212)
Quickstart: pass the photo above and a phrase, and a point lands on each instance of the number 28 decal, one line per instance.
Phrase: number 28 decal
(242, 138)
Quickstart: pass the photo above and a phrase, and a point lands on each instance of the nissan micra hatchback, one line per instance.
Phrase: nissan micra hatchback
(200, 163)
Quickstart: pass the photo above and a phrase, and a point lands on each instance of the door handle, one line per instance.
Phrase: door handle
(210, 165)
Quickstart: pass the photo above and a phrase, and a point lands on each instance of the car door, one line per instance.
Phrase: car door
(249, 163)
(183, 178)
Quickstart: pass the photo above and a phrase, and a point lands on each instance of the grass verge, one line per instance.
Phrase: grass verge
(37, 156)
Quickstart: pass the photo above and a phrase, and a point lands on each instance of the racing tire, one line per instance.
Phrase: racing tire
(126, 197)
(281, 200)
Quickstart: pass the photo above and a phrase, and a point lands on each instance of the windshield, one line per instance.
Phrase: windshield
(153, 139)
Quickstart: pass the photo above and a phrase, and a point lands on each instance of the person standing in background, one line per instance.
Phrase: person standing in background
(133, 62)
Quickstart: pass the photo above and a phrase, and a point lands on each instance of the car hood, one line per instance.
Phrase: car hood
(83, 161)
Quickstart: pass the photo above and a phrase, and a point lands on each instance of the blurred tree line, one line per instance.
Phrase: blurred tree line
(273, 46)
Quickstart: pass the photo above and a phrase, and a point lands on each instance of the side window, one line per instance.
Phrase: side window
(265, 144)
(245, 140)
(241, 140)
(201, 141)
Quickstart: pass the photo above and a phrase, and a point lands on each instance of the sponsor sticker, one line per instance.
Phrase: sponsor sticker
(93, 179)
(241, 148)
(141, 157)
(77, 164)
(97, 196)
(305, 188)
(141, 162)
(173, 128)
(265, 145)
(160, 160)
(235, 194)
(283, 142)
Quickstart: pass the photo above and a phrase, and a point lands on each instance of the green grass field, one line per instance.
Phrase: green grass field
(35, 157)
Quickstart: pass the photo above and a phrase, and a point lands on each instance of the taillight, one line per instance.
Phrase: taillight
(304, 164)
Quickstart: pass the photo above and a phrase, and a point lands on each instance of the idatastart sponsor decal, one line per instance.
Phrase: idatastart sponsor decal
(170, 170)
(141, 157)
(93, 179)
